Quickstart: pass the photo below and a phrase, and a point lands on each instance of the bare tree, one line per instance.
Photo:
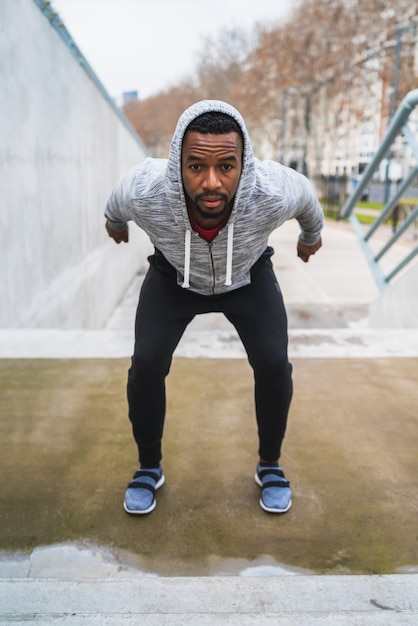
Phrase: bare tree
(303, 85)
(326, 66)
(221, 64)
(155, 118)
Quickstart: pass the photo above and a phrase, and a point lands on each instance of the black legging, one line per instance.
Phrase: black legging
(164, 311)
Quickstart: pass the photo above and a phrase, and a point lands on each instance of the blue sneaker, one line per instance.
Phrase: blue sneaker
(140, 493)
(276, 494)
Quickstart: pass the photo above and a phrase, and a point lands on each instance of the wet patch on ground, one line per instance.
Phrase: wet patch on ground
(350, 454)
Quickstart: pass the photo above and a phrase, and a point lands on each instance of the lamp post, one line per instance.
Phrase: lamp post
(308, 101)
(398, 47)
(283, 121)
(283, 133)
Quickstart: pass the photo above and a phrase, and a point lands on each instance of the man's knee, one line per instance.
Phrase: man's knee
(148, 367)
(276, 365)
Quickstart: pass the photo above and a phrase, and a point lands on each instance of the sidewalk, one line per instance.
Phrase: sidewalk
(346, 553)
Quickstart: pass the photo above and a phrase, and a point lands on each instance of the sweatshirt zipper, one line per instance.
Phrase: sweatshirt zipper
(212, 264)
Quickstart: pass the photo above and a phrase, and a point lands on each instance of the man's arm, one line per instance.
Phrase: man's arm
(117, 235)
(118, 209)
(311, 221)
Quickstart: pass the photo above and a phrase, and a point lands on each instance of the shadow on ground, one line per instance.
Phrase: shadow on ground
(350, 453)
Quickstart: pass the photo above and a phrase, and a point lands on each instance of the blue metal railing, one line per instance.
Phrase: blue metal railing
(398, 125)
(56, 22)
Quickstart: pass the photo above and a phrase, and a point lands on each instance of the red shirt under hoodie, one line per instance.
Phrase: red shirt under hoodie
(207, 234)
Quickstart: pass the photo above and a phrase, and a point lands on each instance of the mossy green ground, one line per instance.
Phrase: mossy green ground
(350, 453)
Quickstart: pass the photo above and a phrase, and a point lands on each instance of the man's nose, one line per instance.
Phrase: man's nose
(212, 179)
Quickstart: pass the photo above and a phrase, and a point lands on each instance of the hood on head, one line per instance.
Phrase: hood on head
(173, 179)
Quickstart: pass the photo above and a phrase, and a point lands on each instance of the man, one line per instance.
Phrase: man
(209, 210)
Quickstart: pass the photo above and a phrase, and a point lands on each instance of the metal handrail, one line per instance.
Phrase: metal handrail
(398, 125)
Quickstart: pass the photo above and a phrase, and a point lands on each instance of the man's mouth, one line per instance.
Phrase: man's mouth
(211, 202)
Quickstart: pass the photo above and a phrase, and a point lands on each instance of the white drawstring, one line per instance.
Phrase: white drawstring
(187, 242)
(228, 277)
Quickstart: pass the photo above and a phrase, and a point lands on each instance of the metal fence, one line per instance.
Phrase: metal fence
(400, 199)
(334, 190)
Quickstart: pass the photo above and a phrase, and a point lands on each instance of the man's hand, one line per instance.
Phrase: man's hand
(304, 251)
(117, 235)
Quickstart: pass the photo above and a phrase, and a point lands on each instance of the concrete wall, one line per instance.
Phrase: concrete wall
(62, 147)
(397, 307)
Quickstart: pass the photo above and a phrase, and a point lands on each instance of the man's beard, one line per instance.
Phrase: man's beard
(212, 214)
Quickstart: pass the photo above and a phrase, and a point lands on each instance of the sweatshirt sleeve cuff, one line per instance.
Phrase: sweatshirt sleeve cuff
(118, 226)
(310, 238)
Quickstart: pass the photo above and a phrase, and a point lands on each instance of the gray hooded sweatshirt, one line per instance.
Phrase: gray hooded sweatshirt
(268, 194)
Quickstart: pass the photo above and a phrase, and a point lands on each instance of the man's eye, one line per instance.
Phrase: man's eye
(195, 167)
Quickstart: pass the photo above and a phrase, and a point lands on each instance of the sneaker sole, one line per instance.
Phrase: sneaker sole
(267, 508)
(159, 484)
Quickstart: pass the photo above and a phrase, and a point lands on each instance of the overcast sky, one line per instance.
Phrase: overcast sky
(149, 45)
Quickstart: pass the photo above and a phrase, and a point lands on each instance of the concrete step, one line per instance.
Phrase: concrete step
(210, 342)
(149, 601)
